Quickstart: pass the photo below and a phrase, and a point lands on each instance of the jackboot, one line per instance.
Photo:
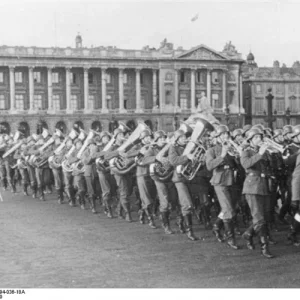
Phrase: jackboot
(236, 225)
(269, 236)
(229, 233)
(142, 215)
(60, 196)
(292, 236)
(179, 222)
(41, 194)
(166, 223)
(92, 201)
(248, 236)
(206, 217)
(71, 197)
(109, 212)
(120, 210)
(127, 213)
(264, 243)
(189, 227)
(217, 230)
(34, 191)
(150, 217)
(25, 192)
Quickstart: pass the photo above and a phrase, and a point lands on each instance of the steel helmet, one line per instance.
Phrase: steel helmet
(158, 134)
(178, 134)
(296, 131)
(287, 129)
(145, 133)
(104, 133)
(221, 129)
(118, 130)
(277, 132)
(236, 132)
(259, 126)
(246, 128)
(252, 132)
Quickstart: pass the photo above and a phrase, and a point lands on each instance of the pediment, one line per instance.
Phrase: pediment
(202, 53)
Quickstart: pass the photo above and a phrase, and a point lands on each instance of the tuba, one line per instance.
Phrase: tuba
(162, 170)
(195, 148)
(17, 145)
(55, 160)
(79, 166)
(123, 165)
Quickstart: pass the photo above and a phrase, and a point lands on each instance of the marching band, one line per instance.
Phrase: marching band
(200, 169)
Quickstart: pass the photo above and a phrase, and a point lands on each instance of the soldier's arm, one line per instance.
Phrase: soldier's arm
(175, 159)
(212, 161)
(17, 155)
(86, 157)
(248, 160)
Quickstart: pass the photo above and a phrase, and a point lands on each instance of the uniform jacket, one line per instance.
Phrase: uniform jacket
(253, 164)
(223, 168)
(88, 160)
(176, 159)
(296, 179)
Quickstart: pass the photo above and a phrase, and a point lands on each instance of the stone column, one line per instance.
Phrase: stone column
(103, 90)
(49, 82)
(241, 108)
(138, 90)
(154, 87)
(31, 89)
(68, 89)
(121, 92)
(12, 88)
(86, 89)
(176, 88)
(224, 83)
(208, 87)
(193, 95)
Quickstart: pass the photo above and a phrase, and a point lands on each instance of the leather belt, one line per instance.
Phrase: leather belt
(257, 174)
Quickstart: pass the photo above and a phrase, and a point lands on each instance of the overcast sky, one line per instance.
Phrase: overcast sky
(270, 28)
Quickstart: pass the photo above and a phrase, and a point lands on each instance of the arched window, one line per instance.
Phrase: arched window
(24, 128)
(131, 124)
(112, 126)
(149, 124)
(97, 126)
(40, 125)
(80, 124)
(4, 128)
(61, 126)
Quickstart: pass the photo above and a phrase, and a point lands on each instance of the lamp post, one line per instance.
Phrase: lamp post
(270, 118)
(288, 115)
(227, 114)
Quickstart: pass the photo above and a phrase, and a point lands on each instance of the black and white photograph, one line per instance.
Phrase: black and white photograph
(149, 145)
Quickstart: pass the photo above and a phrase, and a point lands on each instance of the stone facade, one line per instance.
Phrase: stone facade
(285, 85)
(103, 85)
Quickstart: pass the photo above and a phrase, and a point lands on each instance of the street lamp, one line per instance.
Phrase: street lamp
(227, 114)
(270, 119)
(288, 115)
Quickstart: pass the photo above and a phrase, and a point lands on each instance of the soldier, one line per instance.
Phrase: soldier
(223, 165)
(123, 181)
(176, 158)
(144, 182)
(2, 164)
(295, 203)
(88, 159)
(105, 178)
(8, 162)
(256, 189)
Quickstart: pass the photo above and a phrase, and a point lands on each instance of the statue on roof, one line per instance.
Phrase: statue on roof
(230, 49)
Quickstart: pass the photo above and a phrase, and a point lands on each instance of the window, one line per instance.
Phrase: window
(55, 77)
(216, 103)
(73, 103)
(125, 78)
(73, 78)
(279, 88)
(183, 101)
(200, 77)
(91, 102)
(56, 102)
(215, 77)
(279, 106)
(18, 77)
(259, 106)
(293, 105)
(2, 102)
(108, 78)
(258, 88)
(91, 78)
(1, 77)
(279, 123)
(19, 102)
(37, 77)
(182, 76)
(108, 102)
(142, 78)
(293, 88)
(37, 102)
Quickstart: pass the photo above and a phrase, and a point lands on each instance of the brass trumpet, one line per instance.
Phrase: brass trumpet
(233, 148)
(273, 147)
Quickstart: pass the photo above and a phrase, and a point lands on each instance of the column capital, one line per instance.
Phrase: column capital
(68, 69)
(86, 69)
(12, 68)
(138, 69)
(49, 68)
(209, 70)
(193, 69)
(30, 68)
(121, 70)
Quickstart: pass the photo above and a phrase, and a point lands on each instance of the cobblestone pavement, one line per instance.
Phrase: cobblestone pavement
(46, 245)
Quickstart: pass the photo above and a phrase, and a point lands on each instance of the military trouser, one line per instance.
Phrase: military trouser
(58, 178)
(184, 198)
(39, 173)
(24, 176)
(32, 177)
(224, 194)
(3, 175)
(90, 184)
(10, 175)
(124, 189)
(69, 189)
(163, 196)
(145, 185)
(79, 185)
(104, 180)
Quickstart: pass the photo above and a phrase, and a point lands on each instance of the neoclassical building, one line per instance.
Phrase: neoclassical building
(285, 84)
(101, 85)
